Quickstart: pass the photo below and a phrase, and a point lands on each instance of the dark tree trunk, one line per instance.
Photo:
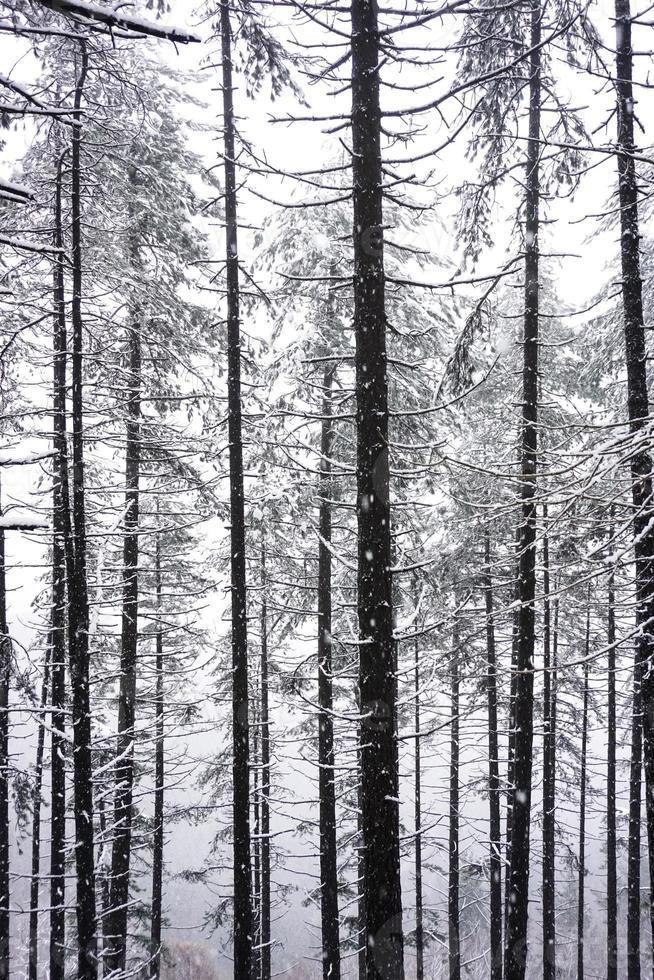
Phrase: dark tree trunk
(611, 827)
(61, 534)
(362, 932)
(256, 846)
(494, 791)
(35, 880)
(159, 783)
(515, 951)
(453, 904)
(78, 604)
(240, 722)
(116, 936)
(380, 809)
(5, 674)
(633, 846)
(549, 776)
(637, 402)
(265, 940)
(581, 894)
(331, 959)
(417, 809)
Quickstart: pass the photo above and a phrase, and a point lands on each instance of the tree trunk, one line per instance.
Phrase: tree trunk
(549, 776)
(633, 846)
(265, 940)
(77, 585)
(454, 945)
(420, 932)
(331, 960)
(240, 723)
(61, 533)
(116, 937)
(5, 674)
(611, 827)
(35, 880)
(637, 402)
(256, 846)
(362, 932)
(582, 808)
(380, 816)
(159, 783)
(494, 791)
(515, 952)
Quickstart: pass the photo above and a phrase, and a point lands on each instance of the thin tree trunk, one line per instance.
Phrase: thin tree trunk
(494, 791)
(611, 827)
(116, 937)
(256, 846)
(417, 809)
(35, 880)
(240, 693)
(60, 535)
(581, 894)
(331, 959)
(266, 950)
(159, 783)
(5, 674)
(454, 945)
(515, 952)
(633, 846)
(549, 776)
(380, 816)
(362, 932)
(638, 404)
(77, 584)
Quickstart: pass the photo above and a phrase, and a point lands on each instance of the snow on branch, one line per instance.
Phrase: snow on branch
(113, 17)
(8, 523)
(14, 192)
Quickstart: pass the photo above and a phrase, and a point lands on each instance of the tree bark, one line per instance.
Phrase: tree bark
(5, 674)
(633, 846)
(515, 950)
(265, 940)
(78, 605)
(611, 825)
(331, 958)
(380, 807)
(159, 784)
(62, 567)
(240, 693)
(35, 879)
(637, 403)
(494, 791)
(417, 810)
(116, 936)
(581, 893)
(453, 904)
(549, 776)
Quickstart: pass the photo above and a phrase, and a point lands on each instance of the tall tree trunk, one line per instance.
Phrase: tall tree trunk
(549, 776)
(35, 880)
(256, 845)
(331, 959)
(362, 932)
(5, 674)
(417, 810)
(61, 565)
(633, 846)
(380, 817)
(637, 402)
(159, 784)
(266, 950)
(116, 938)
(611, 827)
(494, 791)
(240, 723)
(581, 894)
(78, 604)
(515, 951)
(454, 945)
